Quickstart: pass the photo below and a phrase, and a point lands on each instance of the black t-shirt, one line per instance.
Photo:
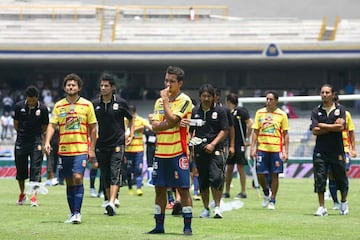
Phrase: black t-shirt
(240, 115)
(215, 121)
(110, 117)
(31, 122)
(331, 142)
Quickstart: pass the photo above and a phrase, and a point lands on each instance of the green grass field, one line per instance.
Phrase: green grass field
(292, 219)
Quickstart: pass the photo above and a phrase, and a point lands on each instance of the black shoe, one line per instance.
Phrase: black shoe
(188, 232)
(177, 209)
(226, 195)
(156, 231)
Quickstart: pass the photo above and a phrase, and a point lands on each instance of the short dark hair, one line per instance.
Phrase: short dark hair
(32, 91)
(109, 78)
(233, 98)
(179, 72)
(132, 108)
(73, 77)
(274, 93)
(207, 87)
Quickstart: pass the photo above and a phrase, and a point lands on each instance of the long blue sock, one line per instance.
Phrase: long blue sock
(78, 196)
(187, 215)
(70, 198)
(159, 221)
(170, 195)
(196, 185)
(333, 190)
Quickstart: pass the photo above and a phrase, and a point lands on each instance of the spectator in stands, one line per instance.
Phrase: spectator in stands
(8, 104)
(349, 88)
(30, 121)
(357, 102)
(6, 125)
(270, 146)
(328, 120)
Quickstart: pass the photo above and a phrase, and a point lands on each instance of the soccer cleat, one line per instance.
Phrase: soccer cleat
(217, 213)
(131, 192)
(110, 208)
(116, 203)
(69, 219)
(105, 203)
(188, 232)
(271, 206)
(344, 208)
(197, 197)
(336, 206)
(266, 201)
(170, 205)
(93, 192)
(156, 231)
(205, 213)
(321, 211)
(54, 182)
(226, 195)
(139, 192)
(76, 218)
(177, 209)
(33, 202)
(241, 195)
(22, 199)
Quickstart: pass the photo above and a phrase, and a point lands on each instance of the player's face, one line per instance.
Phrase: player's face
(326, 94)
(72, 88)
(207, 100)
(271, 102)
(31, 101)
(105, 88)
(172, 83)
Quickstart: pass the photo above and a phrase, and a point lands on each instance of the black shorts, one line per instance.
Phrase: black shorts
(322, 162)
(239, 158)
(211, 168)
(110, 164)
(22, 153)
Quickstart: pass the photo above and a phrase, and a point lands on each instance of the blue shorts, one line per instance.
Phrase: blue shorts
(171, 172)
(269, 162)
(72, 164)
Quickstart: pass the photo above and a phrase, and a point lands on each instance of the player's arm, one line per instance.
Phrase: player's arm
(285, 153)
(50, 130)
(254, 137)
(352, 144)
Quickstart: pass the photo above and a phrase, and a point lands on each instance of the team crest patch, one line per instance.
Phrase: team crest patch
(116, 106)
(337, 112)
(184, 163)
(37, 113)
(214, 115)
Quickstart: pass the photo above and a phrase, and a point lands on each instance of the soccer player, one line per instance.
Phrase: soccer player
(270, 146)
(350, 152)
(171, 163)
(209, 155)
(240, 141)
(328, 120)
(75, 117)
(30, 121)
(134, 153)
(110, 111)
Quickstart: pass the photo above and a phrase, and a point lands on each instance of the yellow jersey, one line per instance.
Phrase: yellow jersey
(271, 126)
(73, 120)
(345, 134)
(137, 143)
(173, 141)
